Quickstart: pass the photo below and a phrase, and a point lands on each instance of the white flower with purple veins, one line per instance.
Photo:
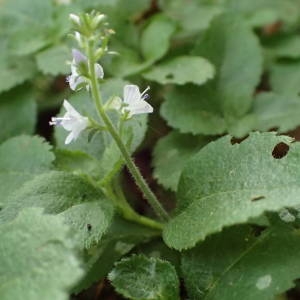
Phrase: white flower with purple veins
(72, 121)
(75, 79)
(134, 101)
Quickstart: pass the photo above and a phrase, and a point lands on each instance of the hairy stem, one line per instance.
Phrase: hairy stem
(135, 172)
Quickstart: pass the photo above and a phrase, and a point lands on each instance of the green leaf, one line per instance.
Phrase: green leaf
(14, 71)
(21, 159)
(215, 107)
(276, 110)
(82, 206)
(285, 77)
(37, 258)
(53, 61)
(190, 109)
(247, 267)
(139, 277)
(227, 184)
(158, 32)
(75, 161)
(182, 70)
(27, 23)
(286, 47)
(193, 16)
(18, 113)
(171, 153)
(121, 237)
(238, 61)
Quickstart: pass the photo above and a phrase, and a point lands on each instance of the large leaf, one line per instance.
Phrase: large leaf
(18, 113)
(21, 159)
(235, 264)
(139, 277)
(37, 258)
(171, 154)
(81, 205)
(227, 184)
(182, 70)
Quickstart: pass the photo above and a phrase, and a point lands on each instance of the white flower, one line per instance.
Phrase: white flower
(135, 102)
(75, 78)
(72, 121)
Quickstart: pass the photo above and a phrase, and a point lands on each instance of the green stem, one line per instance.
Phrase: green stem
(135, 172)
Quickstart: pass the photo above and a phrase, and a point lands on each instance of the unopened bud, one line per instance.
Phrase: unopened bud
(74, 18)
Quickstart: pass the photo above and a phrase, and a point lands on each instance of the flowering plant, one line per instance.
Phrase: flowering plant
(154, 171)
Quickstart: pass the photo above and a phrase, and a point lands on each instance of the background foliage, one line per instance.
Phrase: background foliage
(222, 74)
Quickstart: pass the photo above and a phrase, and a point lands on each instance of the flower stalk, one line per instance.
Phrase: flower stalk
(133, 169)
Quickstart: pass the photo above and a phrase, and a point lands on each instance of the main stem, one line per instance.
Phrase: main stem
(135, 172)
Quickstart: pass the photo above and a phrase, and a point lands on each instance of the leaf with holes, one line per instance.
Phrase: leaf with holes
(21, 159)
(81, 205)
(140, 277)
(227, 184)
(171, 154)
(182, 70)
(37, 257)
(235, 264)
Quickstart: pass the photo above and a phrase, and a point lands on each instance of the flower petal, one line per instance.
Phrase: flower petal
(69, 138)
(131, 94)
(71, 111)
(78, 57)
(99, 71)
(142, 107)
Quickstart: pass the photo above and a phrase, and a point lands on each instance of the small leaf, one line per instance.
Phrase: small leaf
(277, 110)
(285, 77)
(235, 264)
(158, 32)
(220, 185)
(121, 237)
(53, 61)
(182, 70)
(37, 258)
(139, 277)
(171, 153)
